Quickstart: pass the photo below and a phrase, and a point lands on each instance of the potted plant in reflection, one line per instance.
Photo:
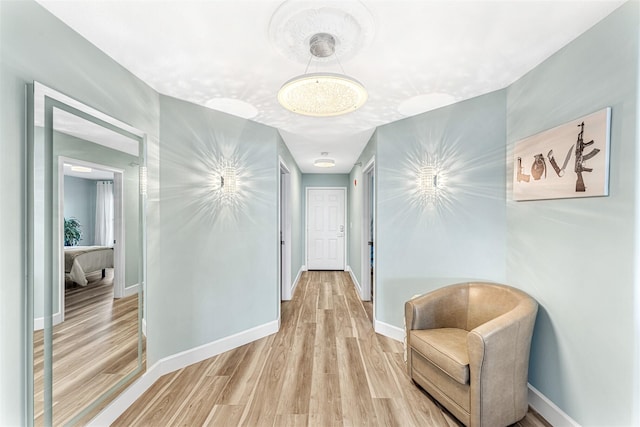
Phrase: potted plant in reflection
(72, 232)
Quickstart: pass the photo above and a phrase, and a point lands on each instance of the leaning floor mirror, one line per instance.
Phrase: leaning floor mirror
(86, 259)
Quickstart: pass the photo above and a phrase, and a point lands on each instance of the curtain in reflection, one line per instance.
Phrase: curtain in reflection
(104, 213)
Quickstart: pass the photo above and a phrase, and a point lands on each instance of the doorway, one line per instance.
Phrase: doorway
(325, 217)
(368, 233)
(285, 233)
(90, 174)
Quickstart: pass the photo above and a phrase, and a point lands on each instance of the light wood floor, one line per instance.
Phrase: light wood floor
(325, 367)
(94, 348)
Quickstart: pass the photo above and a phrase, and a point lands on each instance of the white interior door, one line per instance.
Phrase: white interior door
(325, 228)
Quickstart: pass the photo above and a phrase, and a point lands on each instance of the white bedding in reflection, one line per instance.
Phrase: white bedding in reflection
(80, 260)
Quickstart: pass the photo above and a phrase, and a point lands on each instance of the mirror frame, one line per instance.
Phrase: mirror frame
(40, 234)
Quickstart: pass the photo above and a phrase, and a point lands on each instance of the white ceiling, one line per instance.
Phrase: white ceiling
(412, 56)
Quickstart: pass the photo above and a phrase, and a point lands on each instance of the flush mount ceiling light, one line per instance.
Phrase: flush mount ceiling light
(324, 162)
(82, 169)
(322, 94)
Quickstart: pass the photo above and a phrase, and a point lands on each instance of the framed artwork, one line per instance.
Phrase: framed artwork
(570, 160)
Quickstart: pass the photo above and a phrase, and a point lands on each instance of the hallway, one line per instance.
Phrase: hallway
(326, 366)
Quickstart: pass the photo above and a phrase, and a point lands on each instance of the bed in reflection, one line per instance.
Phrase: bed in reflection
(82, 260)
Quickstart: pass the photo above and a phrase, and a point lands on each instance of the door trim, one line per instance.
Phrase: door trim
(118, 230)
(284, 250)
(306, 223)
(368, 287)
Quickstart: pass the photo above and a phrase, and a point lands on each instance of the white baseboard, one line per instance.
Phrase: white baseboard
(294, 285)
(388, 330)
(549, 410)
(355, 281)
(178, 361)
(38, 323)
(133, 289)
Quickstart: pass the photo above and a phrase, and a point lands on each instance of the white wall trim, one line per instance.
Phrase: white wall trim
(388, 330)
(355, 280)
(38, 323)
(178, 361)
(294, 285)
(131, 290)
(549, 410)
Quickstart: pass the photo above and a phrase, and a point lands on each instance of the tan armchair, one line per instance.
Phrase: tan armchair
(468, 347)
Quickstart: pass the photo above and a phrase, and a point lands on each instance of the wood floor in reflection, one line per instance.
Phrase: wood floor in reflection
(94, 348)
(325, 367)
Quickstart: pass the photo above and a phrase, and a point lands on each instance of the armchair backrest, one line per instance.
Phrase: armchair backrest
(487, 301)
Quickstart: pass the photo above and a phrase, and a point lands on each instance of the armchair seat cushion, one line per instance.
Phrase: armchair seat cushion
(446, 348)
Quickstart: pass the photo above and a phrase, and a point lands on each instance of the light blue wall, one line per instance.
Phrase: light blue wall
(219, 260)
(325, 180)
(577, 256)
(80, 203)
(37, 46)
(422, 247)
(355, 209)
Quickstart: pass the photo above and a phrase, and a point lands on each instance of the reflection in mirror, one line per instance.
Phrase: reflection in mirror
(86, 257)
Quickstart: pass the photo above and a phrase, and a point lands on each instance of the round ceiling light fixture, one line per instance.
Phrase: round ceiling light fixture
(324, 162)
(322, 94)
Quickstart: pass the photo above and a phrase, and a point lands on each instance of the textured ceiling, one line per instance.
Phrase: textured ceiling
(412, 56)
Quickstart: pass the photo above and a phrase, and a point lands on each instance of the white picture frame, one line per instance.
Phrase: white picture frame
(567, 161)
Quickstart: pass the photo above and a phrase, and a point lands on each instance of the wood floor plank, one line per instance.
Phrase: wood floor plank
(310, 302)
(296, 390)
(357, 405)
(225, 415)
(325, 367)
(241, 384)
(325, 407)
(173, 399)
(264, 403)
(325, 357)
(200, 405)
(291, 420)
(129, 418)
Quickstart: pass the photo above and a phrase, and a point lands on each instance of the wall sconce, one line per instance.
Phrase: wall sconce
(428, 181)
(228, 180)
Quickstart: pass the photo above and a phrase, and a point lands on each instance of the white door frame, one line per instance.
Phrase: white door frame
(118, 230)
(306, 222)
(367, 287)
(284, 235)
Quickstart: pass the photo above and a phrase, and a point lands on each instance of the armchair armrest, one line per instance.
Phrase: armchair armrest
(498, 355)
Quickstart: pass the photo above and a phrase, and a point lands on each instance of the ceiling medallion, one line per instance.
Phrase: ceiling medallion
(322, 94)
(295, 22)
